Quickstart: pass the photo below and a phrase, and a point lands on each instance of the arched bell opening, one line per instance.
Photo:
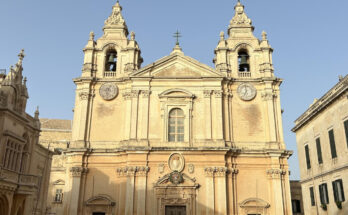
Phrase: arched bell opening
(111, 61)
(243, 61)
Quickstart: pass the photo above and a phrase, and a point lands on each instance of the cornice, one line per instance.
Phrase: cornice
(333, 94)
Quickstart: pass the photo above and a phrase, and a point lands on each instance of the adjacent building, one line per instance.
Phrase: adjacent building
(176, 136)
(322, 142)
(24, 164)
(296, 198)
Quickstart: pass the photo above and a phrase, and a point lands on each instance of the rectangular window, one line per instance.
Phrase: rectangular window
(324, 197)
(311, 192)
(59, 195)
(346, 130)
(296, 206)
(308, 160)
(332, 144)
(338, 191)
(320, 157)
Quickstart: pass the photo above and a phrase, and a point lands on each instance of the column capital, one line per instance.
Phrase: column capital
(275, 173)
(145, 93)
(132, 171)
(207, 93)
(215, 171)
(77, 171)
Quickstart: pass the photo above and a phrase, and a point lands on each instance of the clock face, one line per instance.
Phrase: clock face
(108, 91)
(246, 91)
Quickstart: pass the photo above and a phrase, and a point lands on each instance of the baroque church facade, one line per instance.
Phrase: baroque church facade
(176, 136)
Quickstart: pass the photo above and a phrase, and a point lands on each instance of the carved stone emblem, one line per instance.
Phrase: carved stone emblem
(176, 177)
(246, 91)
(191, 168)
(108, 91)
(161, 168)
(176, 162)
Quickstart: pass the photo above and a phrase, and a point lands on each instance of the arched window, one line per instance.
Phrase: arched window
(243, 61)
(176, 125)
(111, 61)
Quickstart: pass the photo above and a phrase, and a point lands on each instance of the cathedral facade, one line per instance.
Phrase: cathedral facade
(176, 136)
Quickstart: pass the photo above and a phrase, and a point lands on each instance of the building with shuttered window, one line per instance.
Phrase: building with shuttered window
(322, 142)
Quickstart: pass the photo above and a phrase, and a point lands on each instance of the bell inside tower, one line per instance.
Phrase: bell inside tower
(243, 61)
(111, 61)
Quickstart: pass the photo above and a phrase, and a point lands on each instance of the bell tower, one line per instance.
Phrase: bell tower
(241, 54)
(110, 58)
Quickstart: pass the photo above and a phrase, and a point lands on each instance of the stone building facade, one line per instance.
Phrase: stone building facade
(322, 143)
(175, 136)
(24, 163)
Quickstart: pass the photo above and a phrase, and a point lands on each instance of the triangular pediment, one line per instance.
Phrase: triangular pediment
(59, 182)
(177, 66)
(101, 200)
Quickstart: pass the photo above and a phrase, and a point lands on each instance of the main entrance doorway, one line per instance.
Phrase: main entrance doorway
(175, 210)
(98, 213)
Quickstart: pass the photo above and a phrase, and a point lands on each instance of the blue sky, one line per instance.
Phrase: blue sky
(309, 40)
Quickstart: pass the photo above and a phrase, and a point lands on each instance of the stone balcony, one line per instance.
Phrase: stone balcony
(109, 74)
(19, 179)
(244, 74)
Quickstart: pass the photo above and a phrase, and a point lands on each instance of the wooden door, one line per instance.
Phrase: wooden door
(175, 210)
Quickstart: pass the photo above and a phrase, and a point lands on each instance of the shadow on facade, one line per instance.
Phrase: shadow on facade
(130, 192)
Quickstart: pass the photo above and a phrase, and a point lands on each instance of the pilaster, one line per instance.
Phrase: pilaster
(134, 115)
(127, 96)
(144, 114)
(217, 119)
(75, 173)
(207, 107)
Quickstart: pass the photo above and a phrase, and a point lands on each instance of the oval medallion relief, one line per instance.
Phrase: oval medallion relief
(176, 162)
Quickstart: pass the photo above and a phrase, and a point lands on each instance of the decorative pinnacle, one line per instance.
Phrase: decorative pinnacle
(177, 35)
(21, 55)
(264, 35)
(91, 35)
(25, 81)
(132, 35)
(222, 36)
(37, 113)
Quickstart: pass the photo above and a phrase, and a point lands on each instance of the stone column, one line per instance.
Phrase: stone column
(76, 173)
(274, 175)
(207, 110)
(221, 192)
(144, 115)
(141, 175)
(134, 115)
(210, 193)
